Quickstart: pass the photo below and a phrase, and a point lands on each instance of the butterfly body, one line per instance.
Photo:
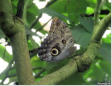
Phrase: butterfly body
(59, 43)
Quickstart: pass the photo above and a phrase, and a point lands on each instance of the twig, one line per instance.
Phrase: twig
(50, 3)
(26, 3)
(29, 33)
(97, 10)
(11, 75)
(20, 8)
(6, 71)
(37, 19)
(43, 25)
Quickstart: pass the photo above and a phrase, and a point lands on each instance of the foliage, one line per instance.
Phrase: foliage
(81, 27)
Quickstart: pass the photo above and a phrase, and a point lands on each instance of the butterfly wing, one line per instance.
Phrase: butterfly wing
(58, 44)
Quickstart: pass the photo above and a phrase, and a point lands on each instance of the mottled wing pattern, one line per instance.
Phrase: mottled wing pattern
(58, 44)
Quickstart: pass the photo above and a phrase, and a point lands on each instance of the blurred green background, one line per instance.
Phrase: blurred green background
(78, 14)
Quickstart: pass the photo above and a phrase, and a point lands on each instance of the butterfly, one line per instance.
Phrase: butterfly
(59, 43)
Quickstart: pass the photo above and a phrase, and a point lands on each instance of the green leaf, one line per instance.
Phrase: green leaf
(4, 54)
(74, 79)
(2, 35)
(75, 8)
(32, 44)
(97, 72)
(81, 36)
(105, 51)
(72, 8)
(30, 18)
(12, 72)
(33, 9)
(106, 66)
(83, 31)
(32, 12)
(89, 10)
(36, 62)
(53, 13)
(107, 5)
(91, 3)
(59, 6)
(87, 23)
(14, 6)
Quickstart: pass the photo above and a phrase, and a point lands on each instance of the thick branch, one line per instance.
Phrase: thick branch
(21, 56)
(100, 28)
(60, 74)
(20, 8)
(6, 19)
(15, 30)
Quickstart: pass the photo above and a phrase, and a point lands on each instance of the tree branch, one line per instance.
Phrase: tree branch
(60, 74)
(26, 3)
(97, 11)
(21, 56)
(6, 19)
(20, 8)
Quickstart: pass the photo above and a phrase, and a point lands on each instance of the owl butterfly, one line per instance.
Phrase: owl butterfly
(59, 43)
